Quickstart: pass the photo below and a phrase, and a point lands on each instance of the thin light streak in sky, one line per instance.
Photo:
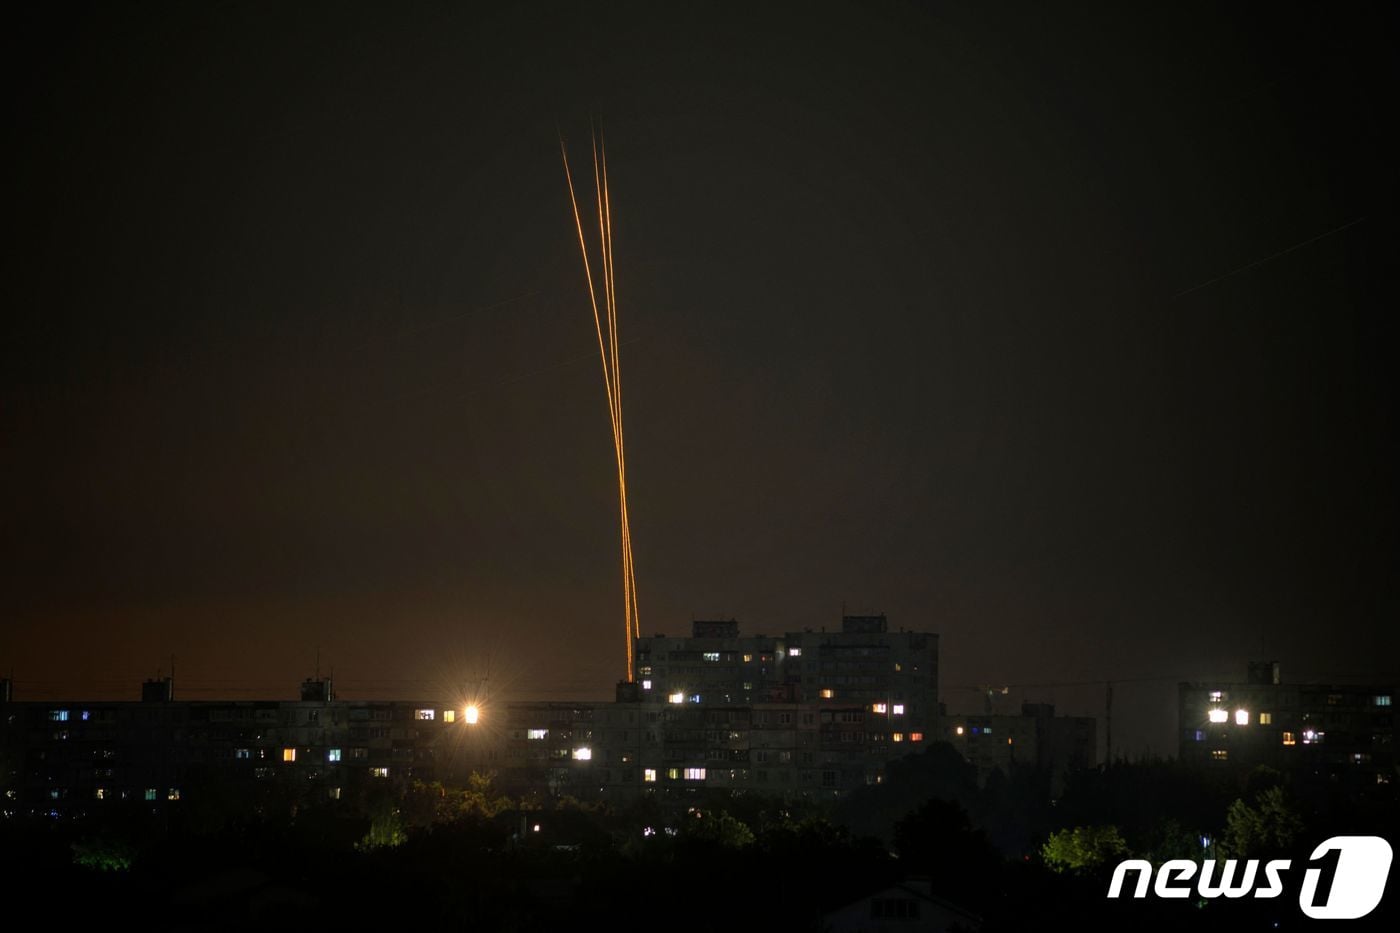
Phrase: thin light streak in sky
(612, 370)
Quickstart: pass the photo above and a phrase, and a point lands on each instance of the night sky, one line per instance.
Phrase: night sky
(1065, 334)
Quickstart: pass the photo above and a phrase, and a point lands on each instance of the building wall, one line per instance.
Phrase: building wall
(807, 713)
(64, 757)
(1341, 735)
(1037, 738)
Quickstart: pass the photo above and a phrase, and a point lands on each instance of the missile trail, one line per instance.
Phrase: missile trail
(611, 362)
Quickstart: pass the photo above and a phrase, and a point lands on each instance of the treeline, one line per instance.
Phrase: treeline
(1005, 850)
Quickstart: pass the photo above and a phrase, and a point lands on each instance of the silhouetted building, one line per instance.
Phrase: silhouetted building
(910, 906)
(1036, 738)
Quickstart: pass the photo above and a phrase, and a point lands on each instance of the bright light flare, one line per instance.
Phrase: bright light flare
(471, 715)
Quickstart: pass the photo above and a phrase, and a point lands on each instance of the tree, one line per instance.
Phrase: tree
(717, 828)
(1083, 848)
(939, 840)
(386, 825)
(1266, 829)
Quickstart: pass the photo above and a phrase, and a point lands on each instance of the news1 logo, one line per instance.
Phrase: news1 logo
(1345, 879)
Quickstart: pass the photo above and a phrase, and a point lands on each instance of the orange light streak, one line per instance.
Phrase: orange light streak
(612, 370)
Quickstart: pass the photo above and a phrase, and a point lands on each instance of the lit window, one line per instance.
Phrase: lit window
(646, 685)
(102, 793)
(86, 716)
(289, 754)
(472, 715)
(899, 709)
(332, 754)
(1199, 735)
(694, 698)
(794, 652)
(828, 693)
(536, 734)
(986, 730)
(449, 715)
(1217, 695)
(333, 793)
(695, 774)
(748, 659)
(959, 730)
(423, 714)
(878, 708)
(711, 655)
(1382, 700)
(916, 736)
(1219, 754)
(173, 794)
(649, 775)
(150, 793)
(1266, 719)
(677, 697)
(379, 772)
(1008, 740)
(58, 715)
(1219, 715)
(898, 737)
(1241, 717)
(898, 667)
(1289, 739)
(242, 753)
(583, 754)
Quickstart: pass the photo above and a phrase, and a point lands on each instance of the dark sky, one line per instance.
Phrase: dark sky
(1065, 334)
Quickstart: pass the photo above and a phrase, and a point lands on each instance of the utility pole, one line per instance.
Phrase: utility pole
(1108, 723)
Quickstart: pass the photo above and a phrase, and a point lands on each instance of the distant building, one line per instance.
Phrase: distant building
(1036, 738)
(64, 758)
(1337, 735)
(864, 664)
(812, 714)
(808, 713)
